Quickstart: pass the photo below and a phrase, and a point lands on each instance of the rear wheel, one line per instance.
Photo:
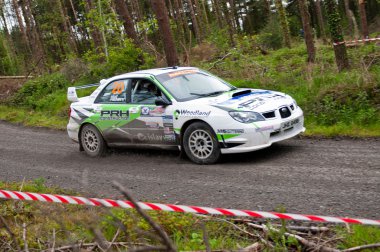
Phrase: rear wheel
(200, 144)
(92, 141)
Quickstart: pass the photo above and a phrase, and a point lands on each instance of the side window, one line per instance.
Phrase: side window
(115, 93)
(144, 91)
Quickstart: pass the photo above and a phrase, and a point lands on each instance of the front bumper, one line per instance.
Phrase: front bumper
(264, 134)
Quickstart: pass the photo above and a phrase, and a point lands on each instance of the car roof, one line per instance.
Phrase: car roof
(154, 72)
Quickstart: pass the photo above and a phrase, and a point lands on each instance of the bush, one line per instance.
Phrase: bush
(45, 92)
(271, 36)
(350, 105)
(74, 68)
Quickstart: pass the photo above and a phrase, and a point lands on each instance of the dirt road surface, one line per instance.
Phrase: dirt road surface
(309, 176)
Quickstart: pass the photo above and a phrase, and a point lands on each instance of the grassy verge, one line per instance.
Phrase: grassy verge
(41, 226)
(29, 117)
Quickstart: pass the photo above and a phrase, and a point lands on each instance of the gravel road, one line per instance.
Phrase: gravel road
(310, 176)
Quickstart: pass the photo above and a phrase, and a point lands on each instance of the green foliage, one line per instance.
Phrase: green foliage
(270, 37)
(46, 93)
(121, 60)
(360, 235)
(334, 20)
(7, 64)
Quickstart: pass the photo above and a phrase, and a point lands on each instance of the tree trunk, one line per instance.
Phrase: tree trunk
(66, 27)
(179, 22)
(231, 28)
(125, 17)
(205, 17)
(161, 12)
(309, 41)
(194, 22)
(320, 21)
(182, 14)
(348, 15)
(95, 33)
(233, 19)
(334, 20)
(284, 22)
(218, 13)
(363, 18)
(21, 25)
(35, 31)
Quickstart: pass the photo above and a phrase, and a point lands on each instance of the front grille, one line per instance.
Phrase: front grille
(284, 112)
(270, 114)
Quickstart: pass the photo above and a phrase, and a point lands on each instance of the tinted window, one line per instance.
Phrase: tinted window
(115, 92)
(144, 92)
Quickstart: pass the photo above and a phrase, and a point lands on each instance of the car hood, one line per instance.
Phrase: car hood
(258, 100)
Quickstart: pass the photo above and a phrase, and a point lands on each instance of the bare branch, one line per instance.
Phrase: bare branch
(205, 237)
(9, 231)
(358, 248)
(164, 236)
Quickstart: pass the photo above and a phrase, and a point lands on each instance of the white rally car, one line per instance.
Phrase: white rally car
(183, 108)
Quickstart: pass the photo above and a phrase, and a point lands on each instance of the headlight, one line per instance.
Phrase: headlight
(246, 116)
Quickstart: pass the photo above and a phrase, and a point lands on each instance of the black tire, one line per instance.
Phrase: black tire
(200, 144)
(92, 141)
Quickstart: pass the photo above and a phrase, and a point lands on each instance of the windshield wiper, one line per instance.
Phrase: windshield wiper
(208, 94)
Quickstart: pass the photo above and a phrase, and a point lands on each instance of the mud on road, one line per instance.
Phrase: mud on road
(309, 176)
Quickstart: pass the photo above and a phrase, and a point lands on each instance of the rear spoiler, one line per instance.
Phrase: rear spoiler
(72, 91)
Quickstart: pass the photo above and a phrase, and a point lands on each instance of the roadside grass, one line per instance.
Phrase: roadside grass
(39, 226)
(33, 118)
(335, 103)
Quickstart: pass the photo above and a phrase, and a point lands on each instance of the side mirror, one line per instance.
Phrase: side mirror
(162, 102)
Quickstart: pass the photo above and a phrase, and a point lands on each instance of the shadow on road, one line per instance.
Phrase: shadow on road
(275, 151)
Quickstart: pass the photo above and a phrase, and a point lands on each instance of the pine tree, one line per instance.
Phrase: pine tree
(334, 20)
(284, 22)
(126, 18)
(161, 12)
(363, 18)
(309, 41)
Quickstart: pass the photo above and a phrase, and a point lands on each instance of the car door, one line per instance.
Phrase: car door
(112, 110)
(127, 114)
(151, 125)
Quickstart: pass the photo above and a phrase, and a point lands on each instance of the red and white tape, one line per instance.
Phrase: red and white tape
(4, 194)
(354, 42)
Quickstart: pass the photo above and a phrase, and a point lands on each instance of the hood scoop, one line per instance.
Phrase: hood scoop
(242, 92)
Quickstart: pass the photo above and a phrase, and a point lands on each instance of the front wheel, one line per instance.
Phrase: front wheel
(200, 144)
(92, 141)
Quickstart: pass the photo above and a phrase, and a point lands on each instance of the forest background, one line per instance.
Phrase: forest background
(279, 45)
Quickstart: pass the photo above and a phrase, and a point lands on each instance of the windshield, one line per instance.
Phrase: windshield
(191, 84)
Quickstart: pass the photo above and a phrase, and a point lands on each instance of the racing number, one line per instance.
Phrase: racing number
(118, 87)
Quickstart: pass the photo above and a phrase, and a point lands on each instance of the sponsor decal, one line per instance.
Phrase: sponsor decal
(145, 110)
(169, 138)
(151, 137)
(266, 128)
(118, 87)
(168, 119)
(179, 73)
(152, 125)
(114, 115)
(265, 96)
(134, 110)
(168, 130)
(252, 104)
(230, 131)
(190, 113)
(115, 98)
(157, 111)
